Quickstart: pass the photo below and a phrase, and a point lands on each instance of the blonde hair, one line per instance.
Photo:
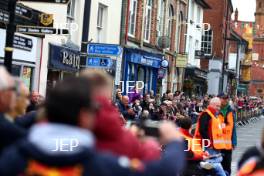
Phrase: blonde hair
(97, 77)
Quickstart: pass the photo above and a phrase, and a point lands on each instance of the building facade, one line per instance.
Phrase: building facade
(196, 28)
(215, 43)
(60, 54)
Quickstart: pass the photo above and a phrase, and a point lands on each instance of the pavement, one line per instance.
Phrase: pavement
(248, 136)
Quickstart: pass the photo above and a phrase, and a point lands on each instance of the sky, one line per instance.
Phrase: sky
(246, 9)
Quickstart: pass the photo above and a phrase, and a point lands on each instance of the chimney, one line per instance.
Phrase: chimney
(236, 15)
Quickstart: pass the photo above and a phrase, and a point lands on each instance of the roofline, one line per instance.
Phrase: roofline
(204, 4)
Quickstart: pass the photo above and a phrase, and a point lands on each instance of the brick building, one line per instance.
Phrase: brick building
(152, 34)
(216, 44)
(256, 87)
(252, 67)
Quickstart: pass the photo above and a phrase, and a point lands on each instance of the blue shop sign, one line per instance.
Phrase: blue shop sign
(144, 58)
(64, 58)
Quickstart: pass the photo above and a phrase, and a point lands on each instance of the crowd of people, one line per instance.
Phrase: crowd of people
(78, 130)
(134, 106)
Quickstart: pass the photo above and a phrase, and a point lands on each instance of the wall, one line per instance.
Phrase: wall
(113, 21)
(194, 33)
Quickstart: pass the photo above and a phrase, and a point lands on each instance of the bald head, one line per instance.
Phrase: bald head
(215, 103)
(125, 100)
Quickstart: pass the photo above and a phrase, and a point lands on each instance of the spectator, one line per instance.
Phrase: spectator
(70, 112)
(125, 109)
(34, 101)
(209, 128)
(9, 131)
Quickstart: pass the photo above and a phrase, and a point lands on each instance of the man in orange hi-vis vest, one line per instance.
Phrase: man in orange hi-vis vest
(209, 128)
(228, 118)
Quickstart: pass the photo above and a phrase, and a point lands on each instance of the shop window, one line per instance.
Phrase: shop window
(207, 42)
(53, 78)
(148, 18)
(141, 74)
(132, 17)
(16, 70)
(26, 76)
(147, 85)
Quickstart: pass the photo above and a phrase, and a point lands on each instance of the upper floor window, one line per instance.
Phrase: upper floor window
(179, 31)
(148, 18)
(101, 23)
(170, 23)
(160, 18)
(198, 15)
(207, 42)
(71, 9)
(132, 17)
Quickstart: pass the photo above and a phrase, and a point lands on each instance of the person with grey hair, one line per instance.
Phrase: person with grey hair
(9, 131)
(209, 130)
(7, 88)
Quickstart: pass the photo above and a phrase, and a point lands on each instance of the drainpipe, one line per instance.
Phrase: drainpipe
(143, 24)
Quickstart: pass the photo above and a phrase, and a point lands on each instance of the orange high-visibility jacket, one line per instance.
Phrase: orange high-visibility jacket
(195, 147)
(248, 169)
(217, 138)
(227, 129)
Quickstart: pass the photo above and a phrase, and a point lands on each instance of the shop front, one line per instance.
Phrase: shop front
(25, 57)
(63, 62)
(140, 65)
(195, 82)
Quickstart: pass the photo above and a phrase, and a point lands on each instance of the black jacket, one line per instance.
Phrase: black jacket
(9, 132)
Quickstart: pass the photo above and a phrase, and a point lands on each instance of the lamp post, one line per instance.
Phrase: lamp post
(85, 30)
(10, 31)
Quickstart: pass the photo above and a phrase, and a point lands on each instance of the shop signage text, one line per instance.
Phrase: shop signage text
(23, 12)
(4, 16)
(22, 43)
(70, 59)
(41, 30)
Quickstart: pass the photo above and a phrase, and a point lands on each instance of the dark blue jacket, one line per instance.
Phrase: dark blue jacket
(9, 132)
(15, 161)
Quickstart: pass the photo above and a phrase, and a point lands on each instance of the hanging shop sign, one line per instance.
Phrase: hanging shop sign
(64, 58)
(181, 61)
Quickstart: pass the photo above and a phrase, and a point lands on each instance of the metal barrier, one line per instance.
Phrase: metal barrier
(246, 116)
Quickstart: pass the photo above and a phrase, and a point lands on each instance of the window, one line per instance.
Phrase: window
(192, 11)
(132, 17)
(100, 16)
(160, 18)
(101, 23)
(198, 15)
(71, 9)
(147, 28)
(179, 31)
(170, 23)
(207, 42)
